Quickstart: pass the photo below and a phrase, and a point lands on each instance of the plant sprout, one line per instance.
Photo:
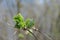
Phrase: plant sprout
(20, 23)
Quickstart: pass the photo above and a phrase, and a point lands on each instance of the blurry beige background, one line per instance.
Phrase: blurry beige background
(46, 14)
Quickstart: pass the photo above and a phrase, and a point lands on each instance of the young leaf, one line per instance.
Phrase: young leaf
(29, 23)
(21, 35)
(19, 20)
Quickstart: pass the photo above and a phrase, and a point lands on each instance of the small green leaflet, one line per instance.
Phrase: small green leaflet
(29, 23)
(19, 20)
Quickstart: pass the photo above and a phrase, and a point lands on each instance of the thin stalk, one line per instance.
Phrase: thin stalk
(32, 34)
(18, 11)
(18, 6)
(44, 34)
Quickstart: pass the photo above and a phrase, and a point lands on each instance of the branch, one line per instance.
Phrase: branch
(32, 34)
(43, 34)
(18, 6)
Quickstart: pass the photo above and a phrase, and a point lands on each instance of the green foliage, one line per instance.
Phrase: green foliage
(21, 35)
(20, 23)
(19, 20)
(29, 23)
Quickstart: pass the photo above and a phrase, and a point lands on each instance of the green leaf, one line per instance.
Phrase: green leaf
(18, 18)
(29, 23)
(21, 35)
(22, 24)
(19, 21)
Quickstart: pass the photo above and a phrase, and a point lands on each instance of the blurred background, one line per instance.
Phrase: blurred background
(46, 14)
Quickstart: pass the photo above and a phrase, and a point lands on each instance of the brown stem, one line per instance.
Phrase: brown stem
(18, 6)
(44, 34)
(32, 34)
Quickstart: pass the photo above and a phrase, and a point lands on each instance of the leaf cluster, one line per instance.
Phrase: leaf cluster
(20, 23)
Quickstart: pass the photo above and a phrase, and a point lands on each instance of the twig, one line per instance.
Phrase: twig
(32, 34)
(43, 34)
(18, 6)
